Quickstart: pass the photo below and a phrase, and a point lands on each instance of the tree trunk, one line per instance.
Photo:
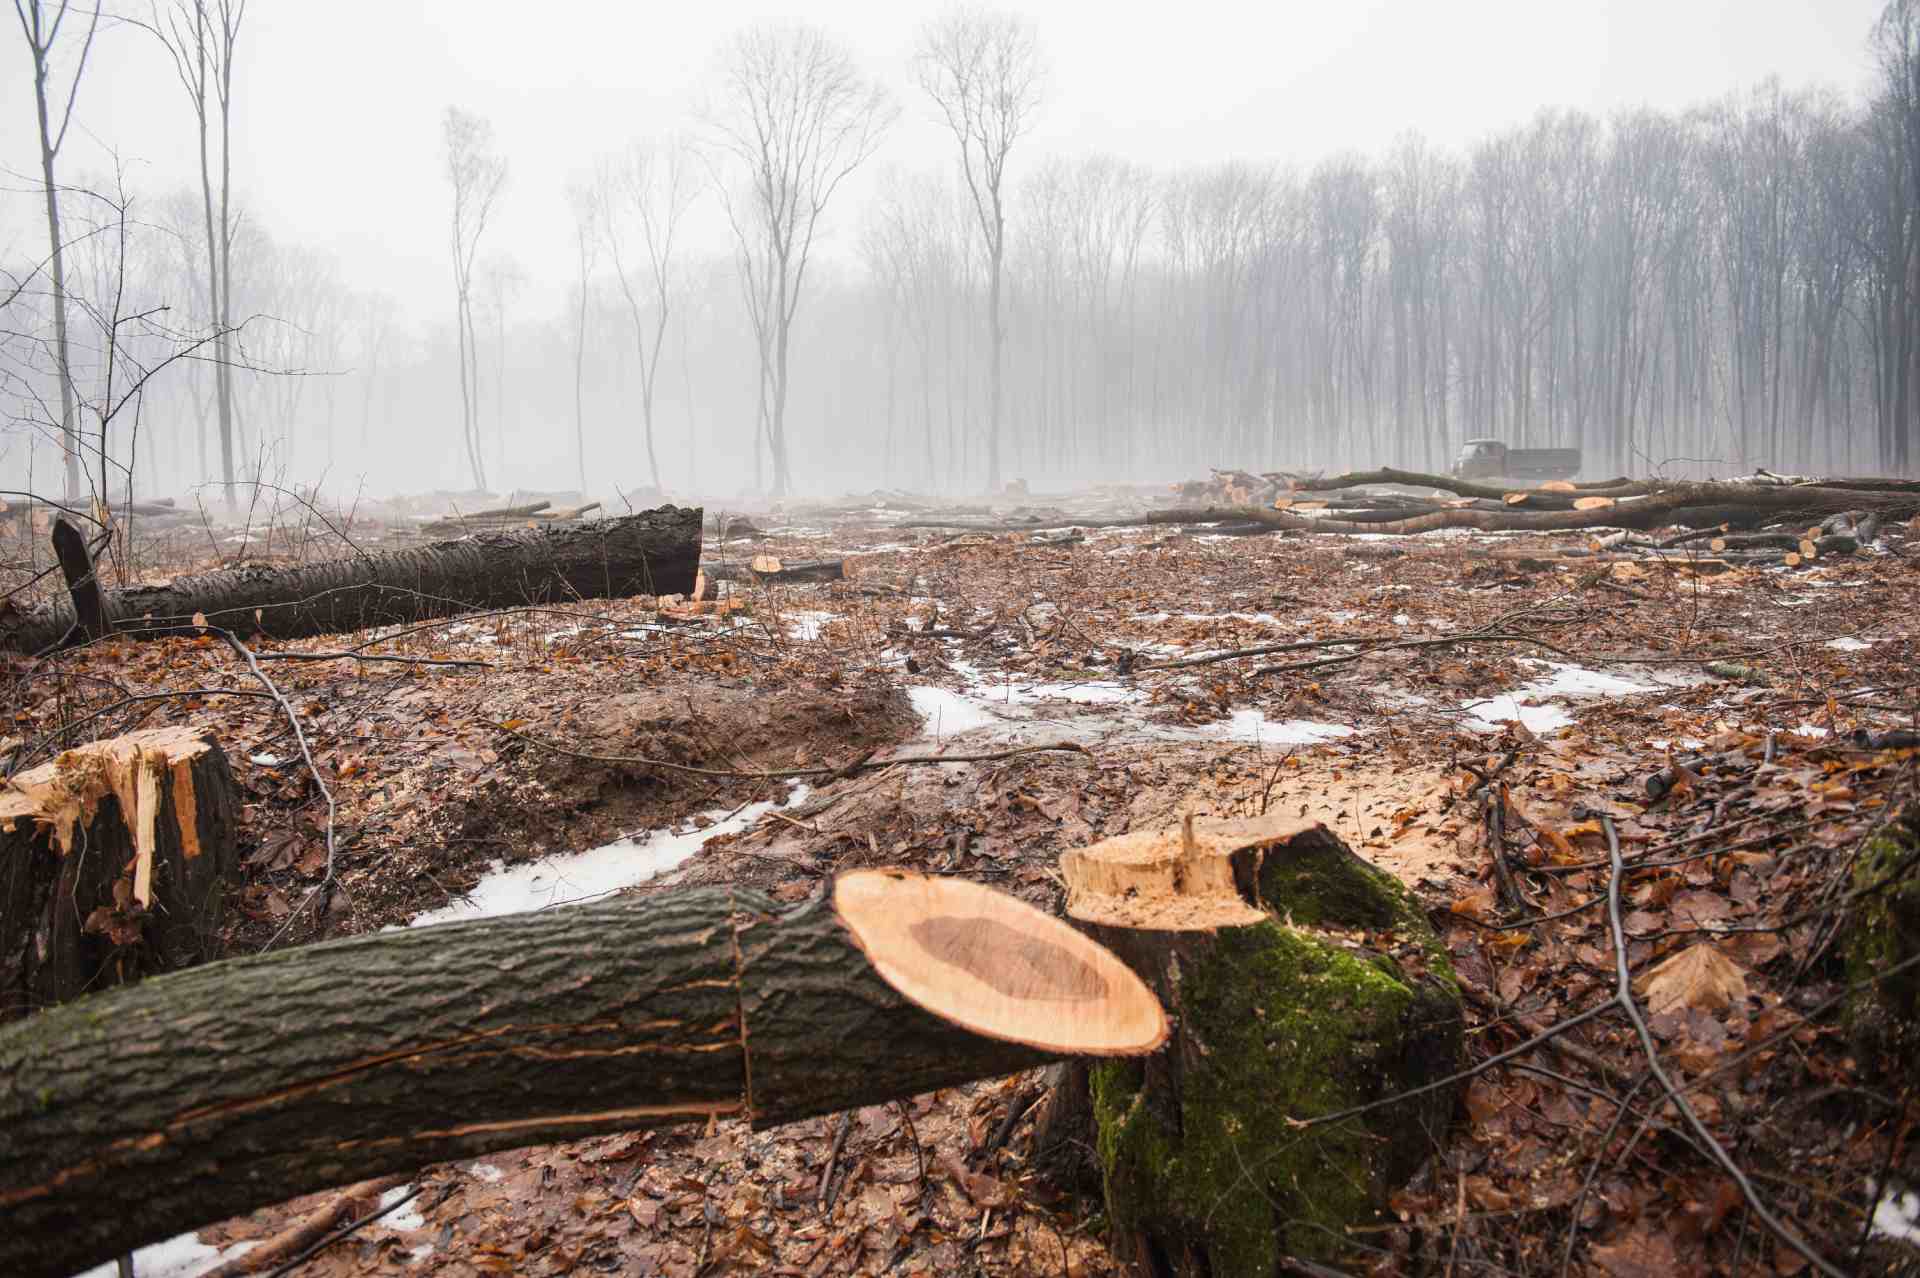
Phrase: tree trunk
(654, 552)
(115, 857)
(1302, 982)
(142, 1112)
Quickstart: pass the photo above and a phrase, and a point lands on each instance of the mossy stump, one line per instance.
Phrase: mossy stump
(1883, 932)
(1301, 982)
(114, 864)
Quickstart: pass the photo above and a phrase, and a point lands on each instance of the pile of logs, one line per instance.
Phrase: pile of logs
(1353, 503)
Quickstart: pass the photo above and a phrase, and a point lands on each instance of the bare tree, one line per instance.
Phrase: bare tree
(503, 279)
(476, 172)
(651, 186)
(982, 69)
(42, 30)
(581, 199)
(201, 37)
(797, 116)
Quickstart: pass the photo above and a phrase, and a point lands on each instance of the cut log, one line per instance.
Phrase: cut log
(656, 552)
(769, 568)
(139, 1113)
(1302, 982)
(115, 860)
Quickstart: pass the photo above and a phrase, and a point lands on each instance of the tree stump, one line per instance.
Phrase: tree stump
(113, 863)
(1883, 946)
(1302, 982)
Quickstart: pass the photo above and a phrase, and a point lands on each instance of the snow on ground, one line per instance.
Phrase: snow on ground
(1896, 1214)
(182, 1257)
(1849, 644)
(580, 876)
(1568, 681)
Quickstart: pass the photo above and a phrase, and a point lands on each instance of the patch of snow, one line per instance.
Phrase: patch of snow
(266, 760)
(1254, 726)
(807, 626)
(561, 880)
(1488, 715)
(948, 714)
(407, 1217)
(1896, 1214)
(182, 1257)
(486, 1173)
(1849, 644)
(1571, 681)
(1810, 730)
(1402, 619)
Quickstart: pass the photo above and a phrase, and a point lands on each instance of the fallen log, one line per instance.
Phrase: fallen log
(114, 860)
(142, 1112)
(655, 552)
(769, 568)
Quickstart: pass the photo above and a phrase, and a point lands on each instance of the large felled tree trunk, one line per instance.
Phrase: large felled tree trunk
(113, 864)
(188, 1098)
(654, 552)
(1302, 983)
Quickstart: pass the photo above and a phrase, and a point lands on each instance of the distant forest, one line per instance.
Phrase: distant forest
(1731, 287)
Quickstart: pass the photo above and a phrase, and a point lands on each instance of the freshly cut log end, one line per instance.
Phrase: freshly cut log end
(1196, 878)
(996, 965)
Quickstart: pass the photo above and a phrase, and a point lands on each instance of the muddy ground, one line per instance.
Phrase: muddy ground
(1601, 677)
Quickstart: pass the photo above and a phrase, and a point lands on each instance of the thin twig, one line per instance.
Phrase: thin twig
(1623, 997)
(306, 753)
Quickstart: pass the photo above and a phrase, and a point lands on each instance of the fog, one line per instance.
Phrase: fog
(1261, 236)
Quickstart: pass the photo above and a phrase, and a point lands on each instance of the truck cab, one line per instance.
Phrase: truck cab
(1480, 457)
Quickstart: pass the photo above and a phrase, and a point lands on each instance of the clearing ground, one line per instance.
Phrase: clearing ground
(1732, 724)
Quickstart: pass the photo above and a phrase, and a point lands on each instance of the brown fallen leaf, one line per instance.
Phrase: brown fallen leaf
(1699, 976)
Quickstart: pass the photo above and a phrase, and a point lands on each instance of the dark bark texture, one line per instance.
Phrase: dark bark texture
(654, 552)
(139, 1113)
(78, 910)
(83, 588)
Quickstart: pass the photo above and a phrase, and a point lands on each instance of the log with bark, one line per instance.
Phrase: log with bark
(1302, 983)
(139, 1113)
(1687, 504)
(771, 568)
(655, 552)
(114, 859)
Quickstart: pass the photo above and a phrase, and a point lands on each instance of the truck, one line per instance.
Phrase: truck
(1490, 459)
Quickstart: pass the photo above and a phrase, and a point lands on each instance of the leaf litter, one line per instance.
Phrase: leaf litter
(1483, 774)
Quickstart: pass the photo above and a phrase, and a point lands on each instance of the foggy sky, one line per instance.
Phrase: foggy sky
(339, 101)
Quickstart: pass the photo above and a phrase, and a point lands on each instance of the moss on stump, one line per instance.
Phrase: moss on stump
(1882, 933)
(1338, 994)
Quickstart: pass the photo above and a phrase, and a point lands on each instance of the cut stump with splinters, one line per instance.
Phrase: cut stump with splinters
(1301, 981)
(138, 1113)
(114, 863)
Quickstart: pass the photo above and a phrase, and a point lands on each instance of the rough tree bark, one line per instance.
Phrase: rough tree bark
(655, 552)
(113, 862)
(1302, 982)
(138, 1113)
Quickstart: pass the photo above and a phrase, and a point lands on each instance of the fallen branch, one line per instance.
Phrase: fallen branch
(1623, 998)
